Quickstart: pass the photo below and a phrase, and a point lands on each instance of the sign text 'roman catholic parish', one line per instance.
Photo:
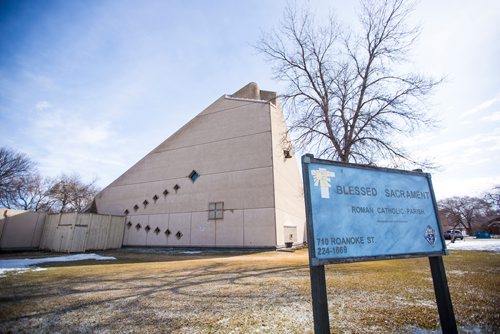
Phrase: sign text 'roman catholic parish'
(360, 213)
(363, 213)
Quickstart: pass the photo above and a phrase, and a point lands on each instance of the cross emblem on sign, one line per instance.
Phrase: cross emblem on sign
(322, 179)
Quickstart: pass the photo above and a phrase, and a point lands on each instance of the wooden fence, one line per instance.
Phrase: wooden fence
(20, 229)
(78, 232)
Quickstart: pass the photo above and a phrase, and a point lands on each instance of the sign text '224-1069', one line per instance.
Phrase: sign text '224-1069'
(369, 212)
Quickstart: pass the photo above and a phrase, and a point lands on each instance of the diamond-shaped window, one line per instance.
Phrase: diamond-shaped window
(129, 224)
(194, 175)
(138, 226)
(136, 207)
(157, 230)
(155, 198)
(178, 235)
(167, 232)
(177, 187)
(147, 228)
(165, 192)
(145, 203)
(126, 212)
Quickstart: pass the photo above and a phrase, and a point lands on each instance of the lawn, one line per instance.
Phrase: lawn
(265, 292)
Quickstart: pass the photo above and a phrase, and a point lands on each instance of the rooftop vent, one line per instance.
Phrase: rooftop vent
(252, 91)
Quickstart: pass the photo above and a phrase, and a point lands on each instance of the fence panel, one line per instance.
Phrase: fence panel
(79, 239)
(115, 239)
(48, 235)
(20, 229)
(66, 232)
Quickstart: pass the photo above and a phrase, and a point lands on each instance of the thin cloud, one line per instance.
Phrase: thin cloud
(493, 117)
(42, 105)
(483, 106)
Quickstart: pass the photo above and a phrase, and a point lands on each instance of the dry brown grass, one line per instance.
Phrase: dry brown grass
(264, 292)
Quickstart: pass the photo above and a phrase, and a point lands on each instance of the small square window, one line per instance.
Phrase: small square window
(194, 175)
(178, 235)
(216, 210)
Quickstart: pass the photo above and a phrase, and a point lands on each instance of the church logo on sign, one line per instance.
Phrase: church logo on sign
(322, 179)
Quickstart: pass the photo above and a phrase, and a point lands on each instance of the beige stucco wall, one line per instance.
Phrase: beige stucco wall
(289, 198)
(234, 145)
(229, 145)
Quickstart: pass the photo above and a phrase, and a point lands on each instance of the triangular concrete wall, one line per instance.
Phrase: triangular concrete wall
(232, 145)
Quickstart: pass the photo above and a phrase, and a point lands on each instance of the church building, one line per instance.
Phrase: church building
(227, 178)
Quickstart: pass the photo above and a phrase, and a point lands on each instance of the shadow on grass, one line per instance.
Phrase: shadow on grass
(125, 294)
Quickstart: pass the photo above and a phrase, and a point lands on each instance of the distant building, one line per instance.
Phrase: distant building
(227, 178)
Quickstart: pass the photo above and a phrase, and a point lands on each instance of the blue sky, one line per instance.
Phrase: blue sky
(92, 86)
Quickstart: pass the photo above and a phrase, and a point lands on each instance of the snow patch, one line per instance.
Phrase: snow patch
(490, 245)
(25, 264)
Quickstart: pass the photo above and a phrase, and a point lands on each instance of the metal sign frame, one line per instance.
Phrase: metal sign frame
(317, 266)
(315, 261)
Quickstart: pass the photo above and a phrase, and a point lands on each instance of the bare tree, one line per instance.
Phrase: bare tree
(28, 192)
(69, 193)
(345, 95)
(466, 211)
(493, 198)
(12, 166)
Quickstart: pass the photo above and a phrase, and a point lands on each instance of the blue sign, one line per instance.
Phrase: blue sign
(358, 213)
